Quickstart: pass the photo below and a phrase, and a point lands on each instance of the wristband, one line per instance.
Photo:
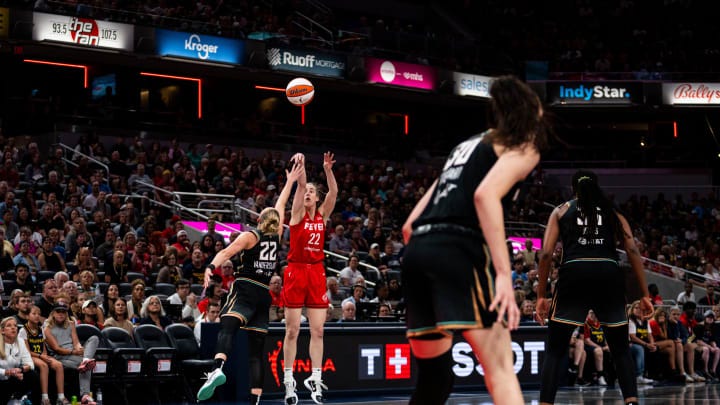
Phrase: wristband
(211, 266)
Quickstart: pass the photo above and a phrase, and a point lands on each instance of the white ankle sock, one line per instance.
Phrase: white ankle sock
(287, 374)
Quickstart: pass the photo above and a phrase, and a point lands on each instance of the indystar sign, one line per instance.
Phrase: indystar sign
(313, 63)
(571, 93)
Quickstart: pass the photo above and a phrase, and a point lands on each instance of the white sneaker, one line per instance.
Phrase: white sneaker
(315, 387)
(688, 378)
(697, 377)
(601, 381)
(644, 381)
(291, 397)
(215, 379)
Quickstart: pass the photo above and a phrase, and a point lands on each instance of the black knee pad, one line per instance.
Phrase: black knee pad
(229, 326)
(435, 380)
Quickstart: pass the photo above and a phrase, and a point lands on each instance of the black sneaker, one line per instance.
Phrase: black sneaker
(316, 388)
(581, 382)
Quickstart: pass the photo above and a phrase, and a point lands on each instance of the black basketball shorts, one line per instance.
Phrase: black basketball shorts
(448, 284)
(249, 301)
(585, 284)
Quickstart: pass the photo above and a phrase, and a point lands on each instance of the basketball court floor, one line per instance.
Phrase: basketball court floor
(658, 395)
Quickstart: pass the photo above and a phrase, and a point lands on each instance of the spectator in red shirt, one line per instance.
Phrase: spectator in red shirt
(226, 272)
(182, 243)
(213, 293)
(276, 291)
(655, 297)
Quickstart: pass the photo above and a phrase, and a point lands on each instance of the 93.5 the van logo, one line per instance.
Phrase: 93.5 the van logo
(84, 31)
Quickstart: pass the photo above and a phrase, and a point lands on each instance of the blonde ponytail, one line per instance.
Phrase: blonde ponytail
(269, 221)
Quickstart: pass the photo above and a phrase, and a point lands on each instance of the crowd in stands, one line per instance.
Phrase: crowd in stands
(96, 243)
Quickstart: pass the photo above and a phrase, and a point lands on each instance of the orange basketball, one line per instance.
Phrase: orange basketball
(300, 91)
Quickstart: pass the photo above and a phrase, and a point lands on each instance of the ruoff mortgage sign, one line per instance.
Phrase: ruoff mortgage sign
(82, 31)
(307, 62)
(691, 93)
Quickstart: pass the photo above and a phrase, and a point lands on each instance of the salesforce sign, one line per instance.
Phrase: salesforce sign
(467, 84)
(203, 47)
(313, 63)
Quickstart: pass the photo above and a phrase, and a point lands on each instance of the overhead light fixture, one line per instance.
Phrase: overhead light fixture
(69, 65)
(186, 78)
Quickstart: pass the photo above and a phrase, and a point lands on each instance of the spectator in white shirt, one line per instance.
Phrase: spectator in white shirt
(687, 295)
(350, 274)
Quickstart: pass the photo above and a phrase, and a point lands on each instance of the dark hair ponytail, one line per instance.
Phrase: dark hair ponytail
(590, 198)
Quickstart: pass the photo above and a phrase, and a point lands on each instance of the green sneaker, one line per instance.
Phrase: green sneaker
(215, 379)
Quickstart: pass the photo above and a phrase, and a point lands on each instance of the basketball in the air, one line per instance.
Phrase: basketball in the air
(300, 91)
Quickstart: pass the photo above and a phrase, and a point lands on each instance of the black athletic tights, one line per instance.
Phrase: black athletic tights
(256, 340)
(558, 344)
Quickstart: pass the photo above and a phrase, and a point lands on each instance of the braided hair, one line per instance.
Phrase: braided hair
(590, 199)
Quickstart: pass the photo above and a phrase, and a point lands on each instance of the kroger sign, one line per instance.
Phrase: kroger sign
(314, 63)
(194, 46)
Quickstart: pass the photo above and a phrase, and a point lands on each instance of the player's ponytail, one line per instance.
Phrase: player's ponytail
(591, 199)
(269, 221)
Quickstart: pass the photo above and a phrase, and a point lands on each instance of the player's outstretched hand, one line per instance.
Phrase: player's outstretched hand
(293, 174)
(328, 160)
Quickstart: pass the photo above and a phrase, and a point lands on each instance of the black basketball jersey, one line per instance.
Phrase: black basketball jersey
(595, 333)
(452, 201)
(35, 341)
(259, 262)
(578, 244)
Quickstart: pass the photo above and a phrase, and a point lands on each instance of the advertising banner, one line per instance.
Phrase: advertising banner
(594, 93)
(467, 84)
(195, 46)
(691, 93)
(306, 62)
(200, 228)
(400, 74)
(371, 357)
(4, 22)
(82, 31)
(518, 243)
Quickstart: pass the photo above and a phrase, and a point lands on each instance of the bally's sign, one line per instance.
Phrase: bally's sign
(467, 84)
(195, 46)
(691, 93)
(598, 93)
(313, 63)
(82, 31)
